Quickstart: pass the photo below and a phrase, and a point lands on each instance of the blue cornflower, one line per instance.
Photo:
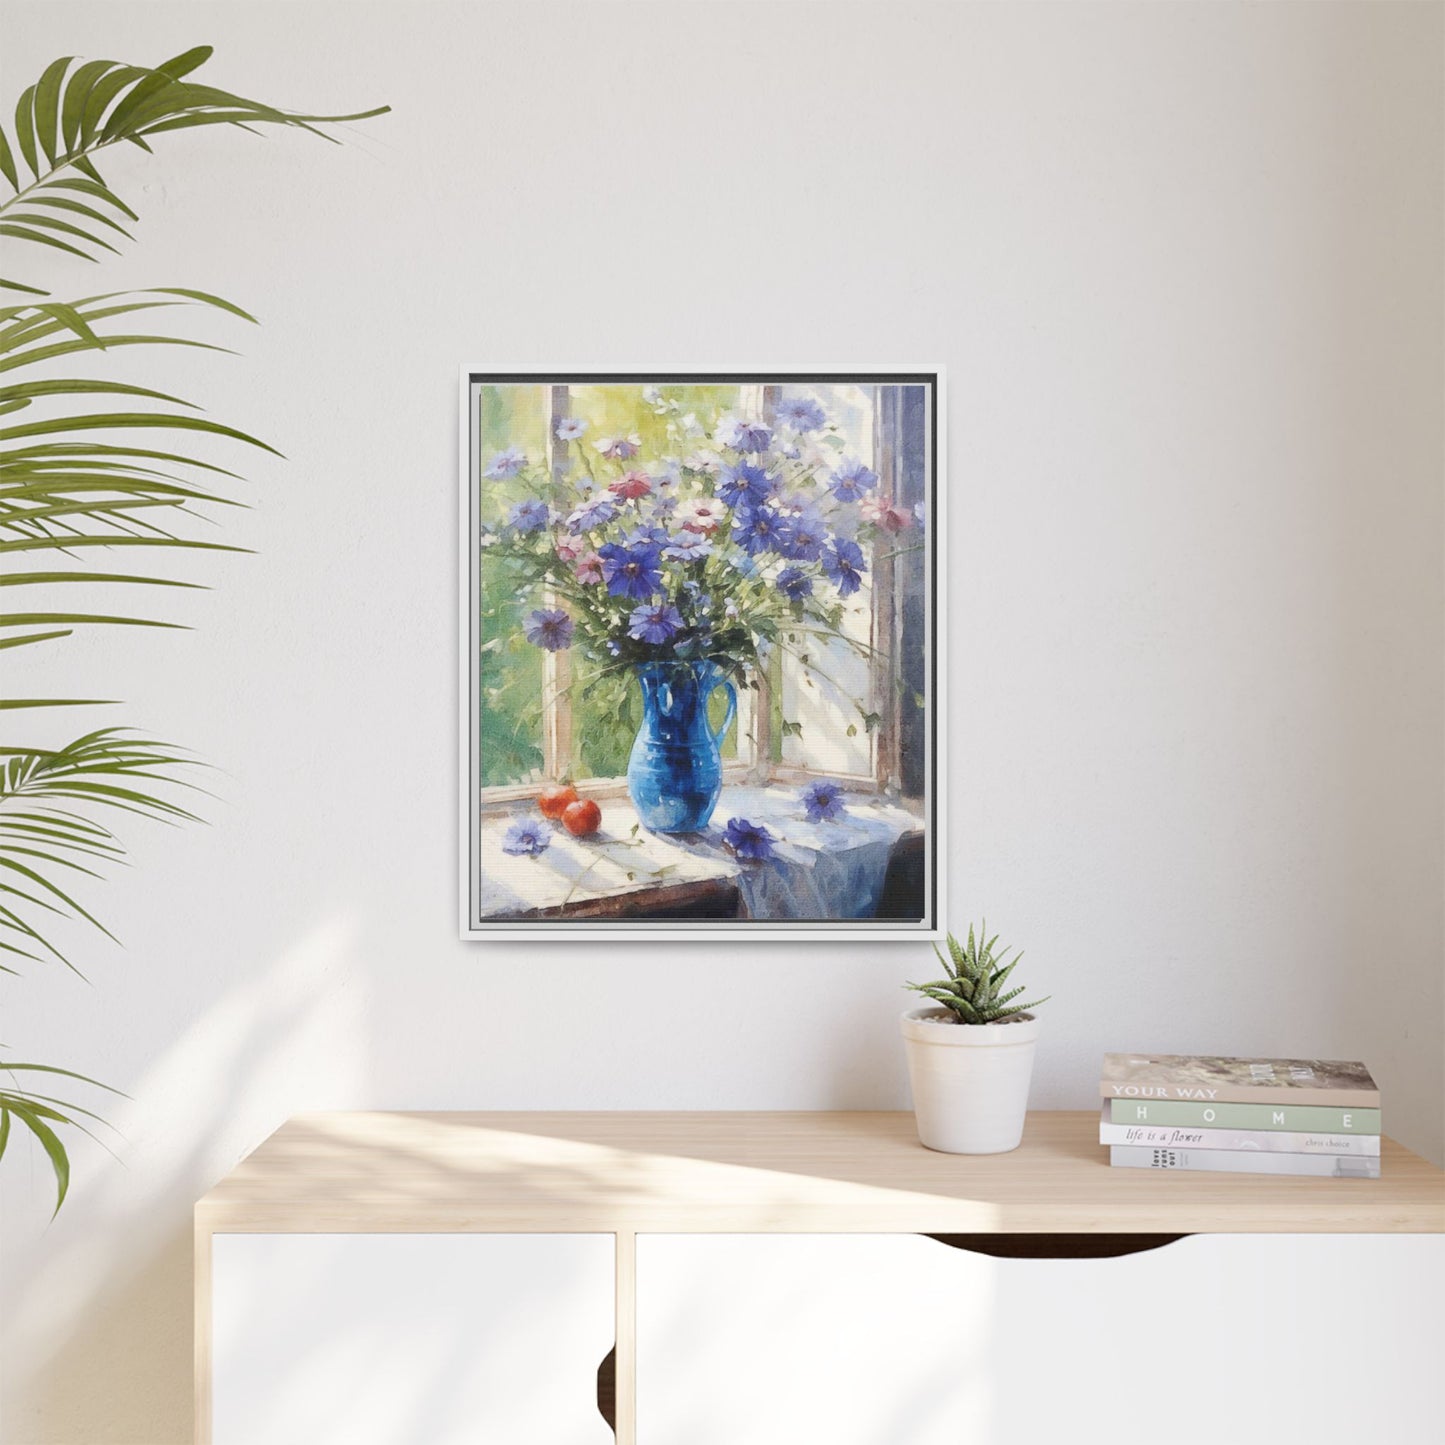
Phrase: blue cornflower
(758, 529)
(570, 428)
(551, 629)
(801, 413)
(631, 571)
(591, 513)
(647, 536)
(744, 436)
(687, 547)
(744, 484)
(664, 507)
(526, 839)
(844, 564)
(795, 584)
(802, 533)
(506, 464)
(851, 480)
(823, 801)
(655, 622)
(528, 516)
(741, 563)
(748, 840)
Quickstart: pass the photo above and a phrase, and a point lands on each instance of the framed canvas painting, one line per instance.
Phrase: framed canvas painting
(701, 649)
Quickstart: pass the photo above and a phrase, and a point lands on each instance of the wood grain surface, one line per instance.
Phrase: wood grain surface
(636, 1172)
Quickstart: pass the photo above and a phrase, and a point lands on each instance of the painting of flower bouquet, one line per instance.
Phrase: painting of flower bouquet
(700, 659)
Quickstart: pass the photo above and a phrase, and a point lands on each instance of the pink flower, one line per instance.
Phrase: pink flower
(588, 569)
(569, 549)
(632, 486)
(701, 517)
(884, 514)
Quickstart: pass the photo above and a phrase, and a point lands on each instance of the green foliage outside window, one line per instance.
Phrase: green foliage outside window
(510, 671)
(605, 710)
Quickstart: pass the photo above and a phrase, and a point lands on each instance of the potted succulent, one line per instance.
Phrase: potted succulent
(971, 1057)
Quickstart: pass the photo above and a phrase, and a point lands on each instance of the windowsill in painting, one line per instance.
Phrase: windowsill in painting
(510, 800)
(623, 870)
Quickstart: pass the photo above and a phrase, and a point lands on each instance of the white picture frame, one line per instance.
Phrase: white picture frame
(598, 910)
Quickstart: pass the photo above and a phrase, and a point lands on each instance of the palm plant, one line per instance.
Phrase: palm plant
(974, 987)
(76, 483)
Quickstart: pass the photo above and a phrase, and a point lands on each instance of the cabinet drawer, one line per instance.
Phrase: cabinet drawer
(392, 1339)
(865, 1339)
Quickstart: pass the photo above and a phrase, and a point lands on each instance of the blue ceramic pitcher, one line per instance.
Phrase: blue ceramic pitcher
(674, 775)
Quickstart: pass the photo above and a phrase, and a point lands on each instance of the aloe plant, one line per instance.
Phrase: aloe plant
(974, 987)
(76, 483)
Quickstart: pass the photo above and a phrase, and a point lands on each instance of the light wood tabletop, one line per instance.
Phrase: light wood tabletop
(703, 1171)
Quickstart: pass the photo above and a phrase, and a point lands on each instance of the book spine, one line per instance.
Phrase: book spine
(1240, 1094)
(1232, 1161)
(1265, 1141)
(1296, 1118)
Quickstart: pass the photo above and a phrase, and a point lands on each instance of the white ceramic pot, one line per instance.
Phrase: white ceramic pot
(970, 1081)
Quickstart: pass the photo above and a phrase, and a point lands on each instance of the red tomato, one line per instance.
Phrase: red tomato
(582, 817)
(554, 801)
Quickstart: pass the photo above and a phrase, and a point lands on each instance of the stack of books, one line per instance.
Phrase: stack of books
(1241, 1116)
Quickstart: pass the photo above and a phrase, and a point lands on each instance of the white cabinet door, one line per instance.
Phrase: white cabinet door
(900, 1340)
(410, 1339)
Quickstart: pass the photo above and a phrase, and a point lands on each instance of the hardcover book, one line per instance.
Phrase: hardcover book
(1300, 1118)
(1260, 1141)
(1232, 1161)
(1241, 1081)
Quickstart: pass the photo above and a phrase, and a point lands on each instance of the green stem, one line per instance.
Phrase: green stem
(862, 648)
(810, 666)
(901, 552)
(54, 171)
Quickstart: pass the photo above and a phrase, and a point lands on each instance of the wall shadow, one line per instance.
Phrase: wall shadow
(97, 1330)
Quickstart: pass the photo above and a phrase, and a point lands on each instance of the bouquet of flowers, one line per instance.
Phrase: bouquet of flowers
(750, 534)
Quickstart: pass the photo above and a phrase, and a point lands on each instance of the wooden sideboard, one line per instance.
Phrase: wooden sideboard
(622, 1182)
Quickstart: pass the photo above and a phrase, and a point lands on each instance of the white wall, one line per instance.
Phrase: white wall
(1183, 266)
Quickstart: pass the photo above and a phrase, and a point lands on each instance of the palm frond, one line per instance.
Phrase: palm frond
(109, 768)
(71, 480)
(40, 1113)
(81, 480)
(75, 111)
